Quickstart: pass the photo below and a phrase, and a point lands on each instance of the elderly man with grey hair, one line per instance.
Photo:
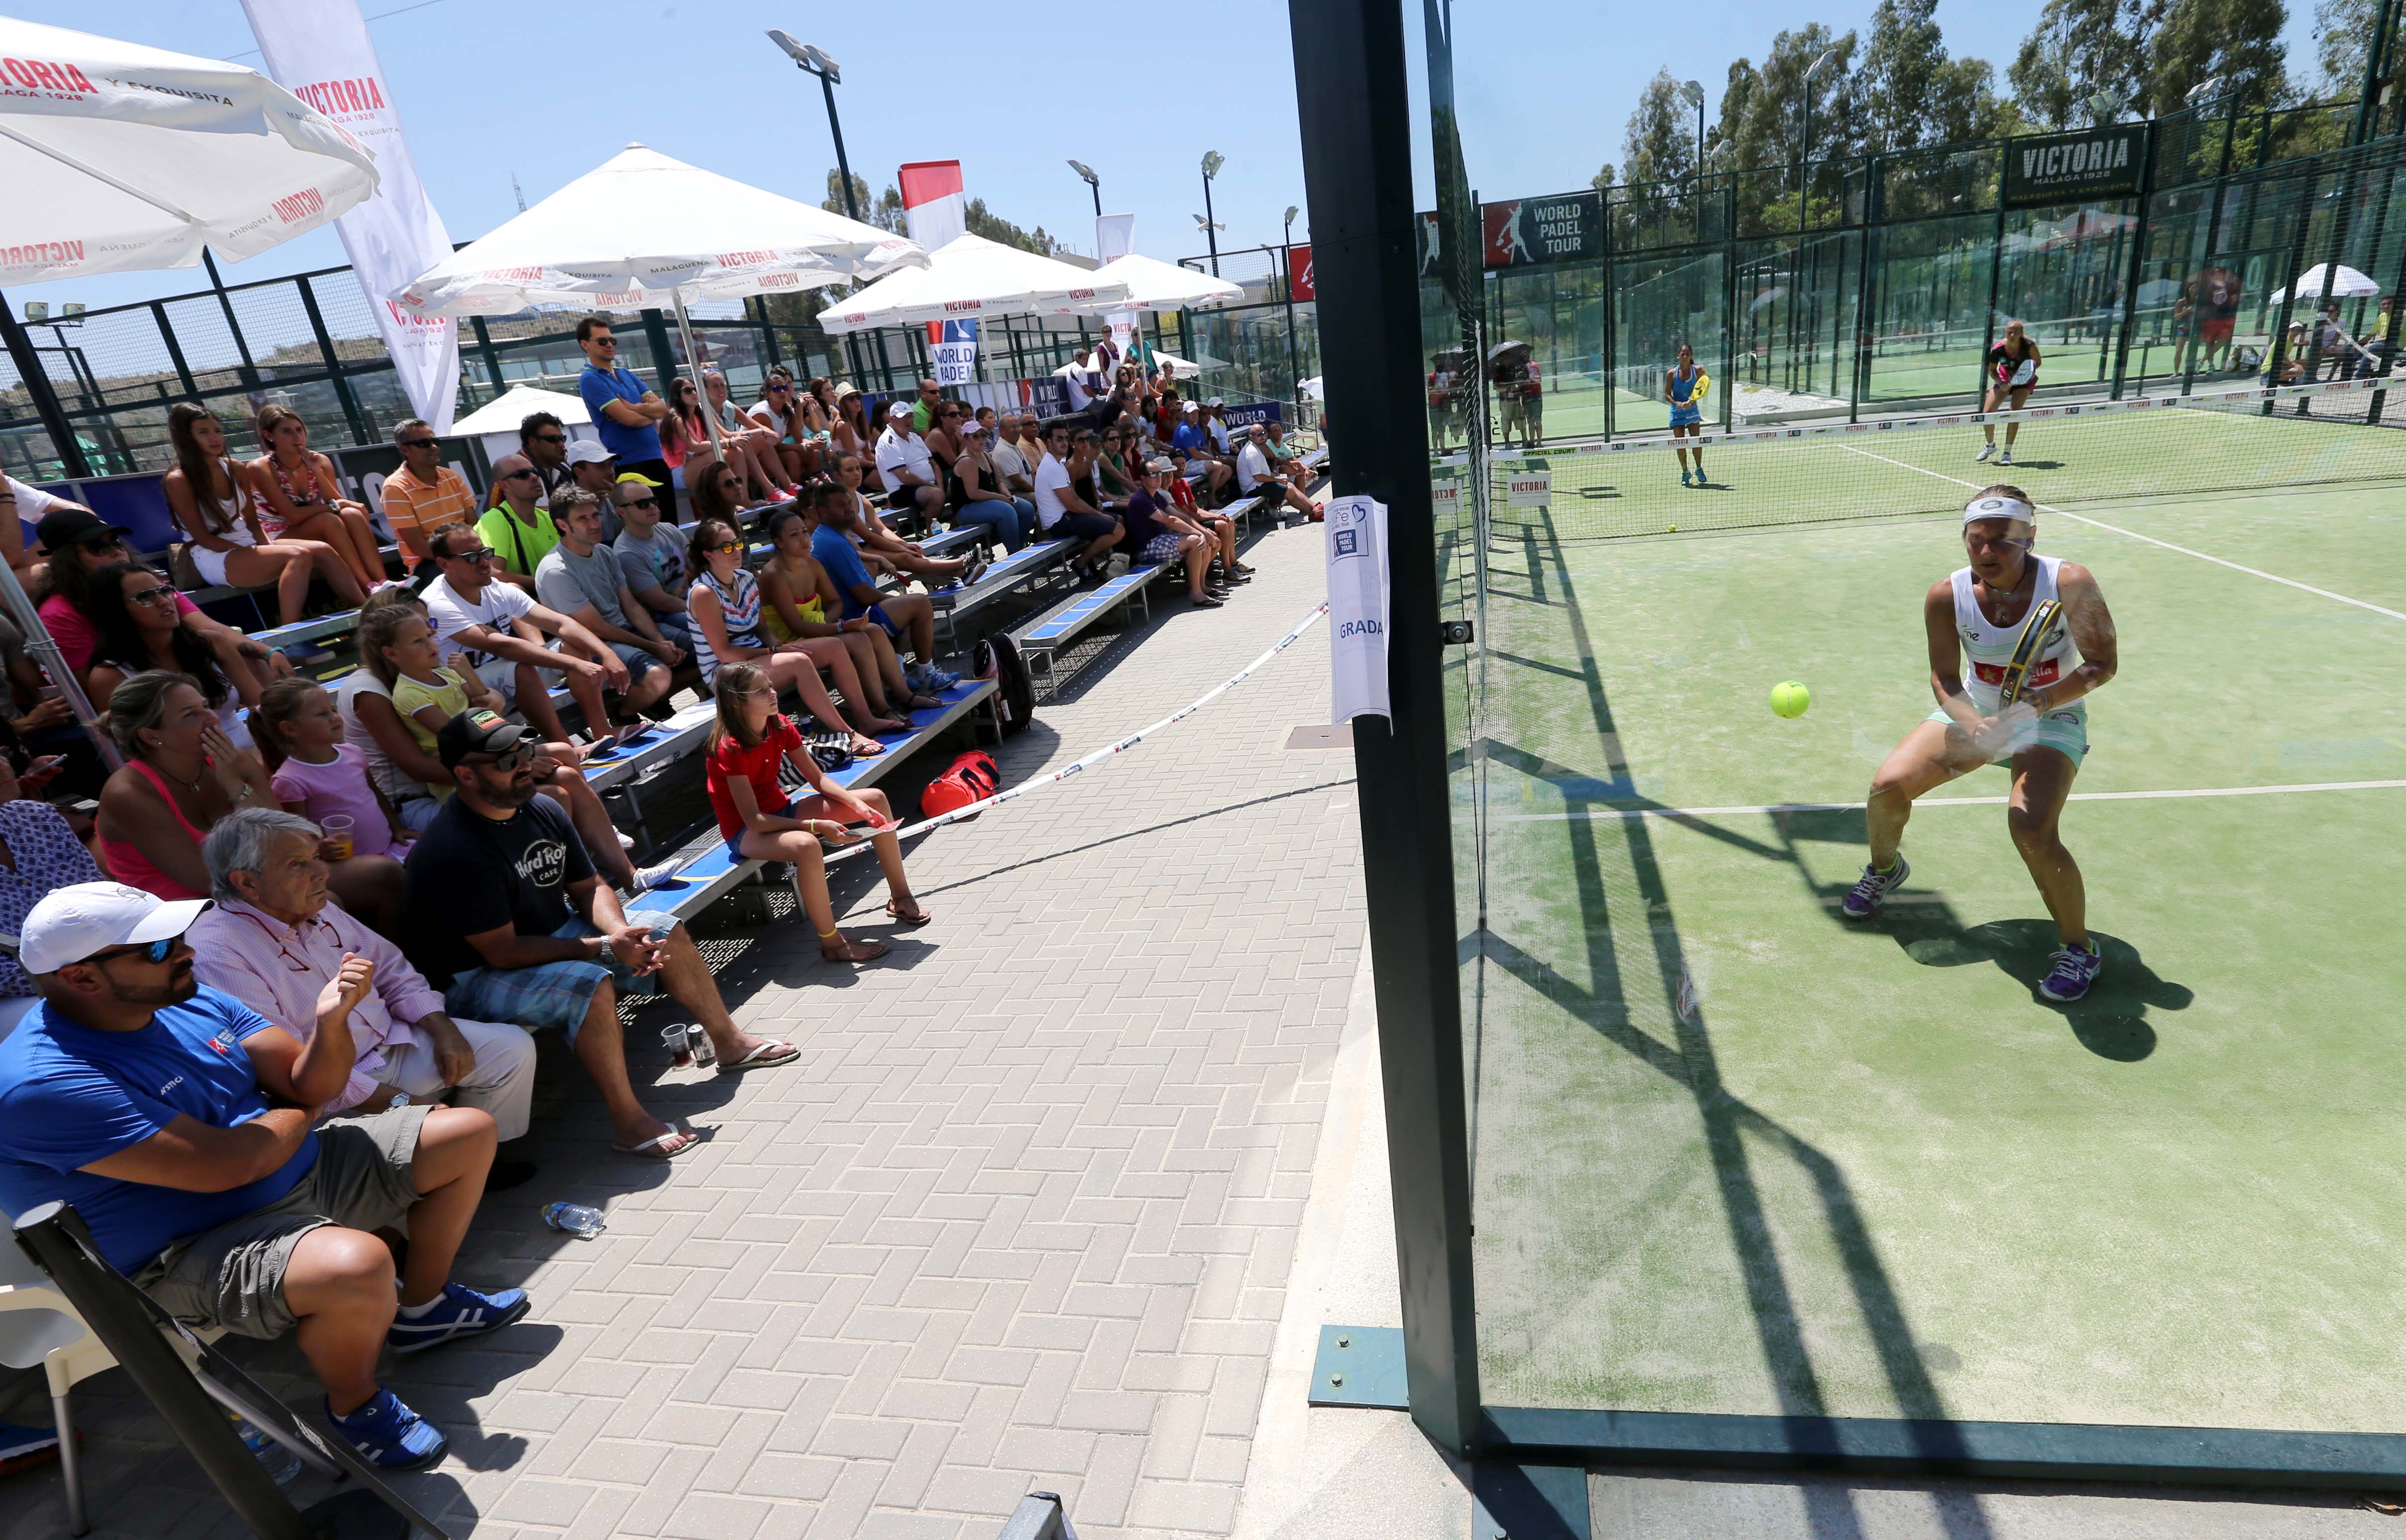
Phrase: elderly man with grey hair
(275, 941)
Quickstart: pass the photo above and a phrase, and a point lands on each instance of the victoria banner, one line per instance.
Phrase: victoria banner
(321, 51)
(2074, 168)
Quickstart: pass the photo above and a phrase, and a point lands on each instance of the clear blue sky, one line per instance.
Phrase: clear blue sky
(549, 89)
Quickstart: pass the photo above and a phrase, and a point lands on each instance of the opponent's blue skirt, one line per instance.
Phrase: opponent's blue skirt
(1686, 415)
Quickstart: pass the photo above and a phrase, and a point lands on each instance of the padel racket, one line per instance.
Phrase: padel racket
(2039, 631)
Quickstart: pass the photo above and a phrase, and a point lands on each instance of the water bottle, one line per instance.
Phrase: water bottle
(576, 1219)
(281, 1462)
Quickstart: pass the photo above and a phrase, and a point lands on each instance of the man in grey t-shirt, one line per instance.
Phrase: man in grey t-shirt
(651, 556)
(586, 583)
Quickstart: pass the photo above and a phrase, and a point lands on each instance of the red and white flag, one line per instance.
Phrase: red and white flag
(933, 205)
(321, 51)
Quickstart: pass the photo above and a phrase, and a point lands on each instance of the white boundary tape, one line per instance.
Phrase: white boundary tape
(1766, 808)
(2254, 395)
(1131, 741)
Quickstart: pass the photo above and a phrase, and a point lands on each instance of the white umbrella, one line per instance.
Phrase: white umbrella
(1155, 285)
(969, 277)
(119, 157)
(2346, 284)
(644, 231)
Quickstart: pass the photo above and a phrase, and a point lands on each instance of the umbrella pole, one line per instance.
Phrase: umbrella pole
(46, 652)
(701, 391)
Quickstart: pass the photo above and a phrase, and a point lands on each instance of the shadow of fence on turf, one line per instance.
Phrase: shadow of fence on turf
(1729, 1125)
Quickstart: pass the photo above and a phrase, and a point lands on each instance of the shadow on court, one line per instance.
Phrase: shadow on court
(2110, 1021)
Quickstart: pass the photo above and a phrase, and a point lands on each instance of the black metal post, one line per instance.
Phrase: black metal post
(1872, 171)
(37, 386)
(2376, 70)
(1350, 101)
(1996, 264)
(55, 1237)
(656, 337)
(2276, 350)
(2389, 355)
(175, 348)
(1210, 225)
(225, 302)
(351, 412)
(492, 355)
(851, 207)
(2138, 264)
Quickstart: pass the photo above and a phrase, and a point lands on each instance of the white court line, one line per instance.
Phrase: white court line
(2048, 507)
(1587, 813)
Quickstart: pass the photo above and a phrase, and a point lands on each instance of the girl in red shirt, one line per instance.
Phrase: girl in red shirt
(762, 823)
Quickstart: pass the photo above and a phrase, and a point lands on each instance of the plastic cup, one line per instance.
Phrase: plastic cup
(680, 1051)
(337, 831)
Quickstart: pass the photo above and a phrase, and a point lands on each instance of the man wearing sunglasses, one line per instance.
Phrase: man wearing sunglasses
(424, 494)
(627, 416)
(651, 554)
(179, 1123)
(517, 526)
(501, 631)
(507, 916)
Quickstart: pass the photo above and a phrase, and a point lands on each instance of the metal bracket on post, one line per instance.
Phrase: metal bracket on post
(1039, 1516)
(1360, 1366)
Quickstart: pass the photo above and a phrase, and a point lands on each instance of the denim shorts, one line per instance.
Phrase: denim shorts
(549, 994)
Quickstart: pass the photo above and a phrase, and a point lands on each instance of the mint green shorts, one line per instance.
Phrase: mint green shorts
(2066, 731)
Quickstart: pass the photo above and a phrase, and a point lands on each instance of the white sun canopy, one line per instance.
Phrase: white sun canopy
(643, 230)
(120, 157)
(1156, 284)
(970, 278)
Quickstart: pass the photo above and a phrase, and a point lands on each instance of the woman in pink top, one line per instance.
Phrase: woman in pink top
(298, 496)
(181, 774)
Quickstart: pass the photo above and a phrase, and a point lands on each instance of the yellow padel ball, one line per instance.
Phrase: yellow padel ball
(1789, 699)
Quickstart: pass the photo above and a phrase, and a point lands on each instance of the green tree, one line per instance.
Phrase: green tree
(2342, 36)
(994, 227)
(1964, 104)
(1762, 110)
(1659, 145)
(885, 211)
(1902, 66)
(2237, 40)
(2082, 50)
(1606, 178)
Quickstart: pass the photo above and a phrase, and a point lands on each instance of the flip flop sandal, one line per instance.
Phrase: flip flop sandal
(913, 921)
(925, 702)
(767, 1056)
(874, 948)
(871, 750)
(650, 1147)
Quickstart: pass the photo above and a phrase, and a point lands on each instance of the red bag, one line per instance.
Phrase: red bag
(971, 778)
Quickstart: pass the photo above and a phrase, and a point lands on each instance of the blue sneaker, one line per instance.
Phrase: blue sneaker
(1871, 890)
(461, 1312)
(933, 679)
(2075, 969)
(1683, 479)
(391, 1436)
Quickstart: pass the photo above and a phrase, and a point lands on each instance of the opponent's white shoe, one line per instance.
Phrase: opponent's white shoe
(1985, 450)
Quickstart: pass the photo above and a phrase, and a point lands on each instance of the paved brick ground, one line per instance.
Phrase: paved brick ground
(1022, 1216)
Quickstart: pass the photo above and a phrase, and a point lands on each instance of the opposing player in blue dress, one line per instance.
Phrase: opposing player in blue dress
(1685, 388)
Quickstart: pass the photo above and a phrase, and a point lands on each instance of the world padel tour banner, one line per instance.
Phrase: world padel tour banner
(1565, 228)
(319, 50)
(1300, 285)
(953, 352)
(2070, 168)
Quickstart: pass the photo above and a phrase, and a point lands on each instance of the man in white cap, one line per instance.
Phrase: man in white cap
(178, 1121)
(909, 469)
(1980, 612)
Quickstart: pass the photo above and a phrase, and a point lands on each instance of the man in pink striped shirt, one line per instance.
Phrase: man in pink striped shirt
(275, 941)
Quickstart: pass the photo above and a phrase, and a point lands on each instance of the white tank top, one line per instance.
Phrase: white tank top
(1990, 647)
(238, 533)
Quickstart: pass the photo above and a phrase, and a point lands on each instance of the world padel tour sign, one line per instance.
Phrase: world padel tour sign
(2070, 168)
(1561, 229)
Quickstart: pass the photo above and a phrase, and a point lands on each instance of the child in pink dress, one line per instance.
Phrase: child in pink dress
(318, 775)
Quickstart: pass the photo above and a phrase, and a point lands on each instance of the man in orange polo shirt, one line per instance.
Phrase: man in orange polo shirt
(424, 494)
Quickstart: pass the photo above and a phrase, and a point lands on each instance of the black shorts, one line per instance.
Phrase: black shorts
(905, 501)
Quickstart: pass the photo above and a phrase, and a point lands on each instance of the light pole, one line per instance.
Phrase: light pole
(1094, 185)
(813, 61)
(1212, 162)
(1804, 200)
(1693, 93)
(1294, 365)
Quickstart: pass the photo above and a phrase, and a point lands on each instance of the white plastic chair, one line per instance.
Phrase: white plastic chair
(37, 1326)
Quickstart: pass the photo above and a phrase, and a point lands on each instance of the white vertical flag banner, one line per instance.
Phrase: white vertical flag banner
(1358, 608)
(321, 51)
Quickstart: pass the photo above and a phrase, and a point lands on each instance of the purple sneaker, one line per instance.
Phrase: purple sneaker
(390, 1436)
(2075, 969)
(1871, 890)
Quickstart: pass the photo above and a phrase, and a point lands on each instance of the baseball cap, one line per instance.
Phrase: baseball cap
(478, 732)
(588, 452)
(1193, 406)
(64, 526)
(70, 924)
(1216, 401)
(900, 409)
(1157, 467)
(637, 475)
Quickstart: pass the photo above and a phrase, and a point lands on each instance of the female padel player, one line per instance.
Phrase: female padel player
(1978, 611)
(1684, 388)
(2013, 374)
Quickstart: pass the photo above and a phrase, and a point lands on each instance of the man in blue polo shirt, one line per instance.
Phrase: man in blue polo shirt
(625, 415)
(178, 1122)
(908, 618)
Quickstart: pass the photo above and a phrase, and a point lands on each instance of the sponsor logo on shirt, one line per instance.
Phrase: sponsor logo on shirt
(177, 1082)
